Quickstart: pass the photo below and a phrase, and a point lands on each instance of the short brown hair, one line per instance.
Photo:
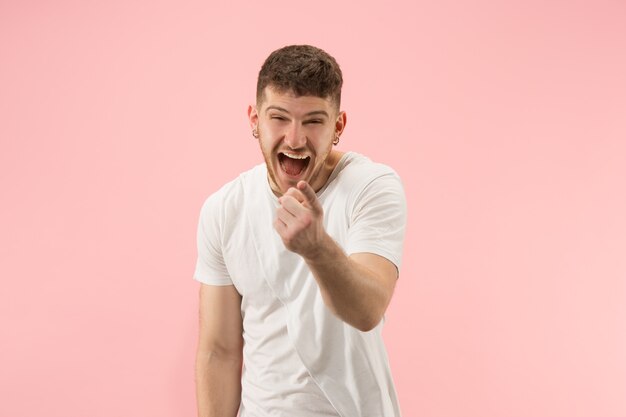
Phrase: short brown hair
(302, 69)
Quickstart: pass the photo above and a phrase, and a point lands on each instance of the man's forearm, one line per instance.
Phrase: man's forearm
(218, 385)
(353, 292)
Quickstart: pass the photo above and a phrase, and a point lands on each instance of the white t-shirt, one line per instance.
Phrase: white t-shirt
(299, 358)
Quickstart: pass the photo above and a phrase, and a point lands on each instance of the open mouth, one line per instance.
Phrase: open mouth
(293, 164)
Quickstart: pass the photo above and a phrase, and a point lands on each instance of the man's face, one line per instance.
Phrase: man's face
(296, 137)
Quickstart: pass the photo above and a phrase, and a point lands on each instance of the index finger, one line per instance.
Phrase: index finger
(310, 195)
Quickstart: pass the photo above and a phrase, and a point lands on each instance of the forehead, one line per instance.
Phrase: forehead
(289, 101)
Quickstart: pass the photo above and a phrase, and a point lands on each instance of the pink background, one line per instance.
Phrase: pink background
(506, 121)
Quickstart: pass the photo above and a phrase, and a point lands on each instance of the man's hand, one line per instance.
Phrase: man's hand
(358, 288)
(299, 220)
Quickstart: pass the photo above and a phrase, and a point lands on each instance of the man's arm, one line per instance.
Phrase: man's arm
(357, 288)
(219, 356)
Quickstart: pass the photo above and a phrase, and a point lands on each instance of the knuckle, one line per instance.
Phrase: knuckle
(306, 221)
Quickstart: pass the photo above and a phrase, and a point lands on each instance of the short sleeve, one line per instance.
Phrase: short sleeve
(210, 266)
(378, 220)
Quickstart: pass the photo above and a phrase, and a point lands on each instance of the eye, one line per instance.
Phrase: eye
(275, 117)
(314, 121)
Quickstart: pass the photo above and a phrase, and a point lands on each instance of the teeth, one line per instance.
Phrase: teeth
(292, 156)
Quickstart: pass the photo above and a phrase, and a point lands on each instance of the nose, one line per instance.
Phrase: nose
(295, 137)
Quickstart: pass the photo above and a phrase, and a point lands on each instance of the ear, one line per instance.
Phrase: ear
(253, 117)
(340, 123)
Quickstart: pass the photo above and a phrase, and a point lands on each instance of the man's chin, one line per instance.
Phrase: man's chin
(280, 184)
(286, 185)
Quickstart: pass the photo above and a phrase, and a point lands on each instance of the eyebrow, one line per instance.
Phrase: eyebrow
(311, 113)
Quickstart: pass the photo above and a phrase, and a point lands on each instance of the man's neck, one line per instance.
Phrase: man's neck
(329, 166)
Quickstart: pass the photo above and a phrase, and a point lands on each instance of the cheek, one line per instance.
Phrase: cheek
(270, 136)
(273, 128)
(266, 140)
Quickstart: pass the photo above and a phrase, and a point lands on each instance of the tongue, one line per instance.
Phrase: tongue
(293, 166)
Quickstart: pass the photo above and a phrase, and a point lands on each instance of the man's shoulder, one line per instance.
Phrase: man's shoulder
(359, 179)
(359, 168)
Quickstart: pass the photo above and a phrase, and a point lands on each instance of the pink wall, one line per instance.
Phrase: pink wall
(507, 122)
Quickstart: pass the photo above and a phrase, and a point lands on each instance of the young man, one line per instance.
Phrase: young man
(298, 259)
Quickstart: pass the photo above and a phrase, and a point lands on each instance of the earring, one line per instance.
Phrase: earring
(336, 141)
(255, 133)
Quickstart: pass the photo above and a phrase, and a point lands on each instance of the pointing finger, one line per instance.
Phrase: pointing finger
(310, 195)
(297, 194)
